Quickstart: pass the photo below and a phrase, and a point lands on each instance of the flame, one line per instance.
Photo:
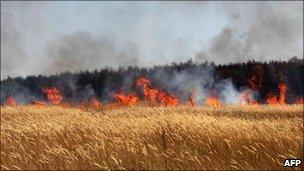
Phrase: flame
(143, 82)
(157, 96)
(126, 99)
(10, 101)
(167, 99)
(213, 101)
(95, 103)
(153, 94)
(38, 103)
(149, 92)
(274, 99)
(53, 95)
(283, 89)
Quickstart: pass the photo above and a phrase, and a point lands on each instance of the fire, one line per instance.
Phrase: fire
(213, 101)
(95, 103)
(274, 99)
(126, 99)
(283, 89)
(143, 82)
(149, 92)
(53, 95)
(10, 101)
(38, 103)
(167, 99)
(155, 95)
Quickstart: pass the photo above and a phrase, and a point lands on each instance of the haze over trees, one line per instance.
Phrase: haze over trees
(175, 78)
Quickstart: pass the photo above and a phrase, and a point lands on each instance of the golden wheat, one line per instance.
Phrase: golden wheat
(151, 138)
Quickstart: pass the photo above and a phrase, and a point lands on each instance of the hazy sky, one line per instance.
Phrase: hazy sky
(50, 37)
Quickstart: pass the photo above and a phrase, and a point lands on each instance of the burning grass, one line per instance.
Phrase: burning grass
(142, 137)
(155, 96)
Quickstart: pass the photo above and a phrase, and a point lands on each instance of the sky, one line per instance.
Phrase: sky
(56, 36)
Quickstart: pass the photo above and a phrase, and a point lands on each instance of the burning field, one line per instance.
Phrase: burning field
(152, 130)
(152, 85)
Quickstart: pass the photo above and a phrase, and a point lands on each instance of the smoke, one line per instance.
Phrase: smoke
(193, 80)
(82, 51)
(86, 94)
(19, 92)
(12, 54)
(49, 37)
(229, 94)
(261, 31)
(145, 34)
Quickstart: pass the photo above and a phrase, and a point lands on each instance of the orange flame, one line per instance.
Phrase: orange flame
(53, 95)
(143, 82)
(273, 99)
(149, 93)
(10, 101)
(126, 99)
(167, 99)
(153, 94)
(95, 103)
(283, 89)
(213, 101)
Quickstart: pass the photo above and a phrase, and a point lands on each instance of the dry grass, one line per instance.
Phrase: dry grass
(233, 137)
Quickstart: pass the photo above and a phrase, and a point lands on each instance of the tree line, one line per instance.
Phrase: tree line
(83, 85)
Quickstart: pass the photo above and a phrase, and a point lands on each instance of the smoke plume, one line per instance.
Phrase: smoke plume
(261, 32)
(82, 51)
(48, 37)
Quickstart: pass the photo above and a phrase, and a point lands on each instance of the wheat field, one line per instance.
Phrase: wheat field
(151, 138)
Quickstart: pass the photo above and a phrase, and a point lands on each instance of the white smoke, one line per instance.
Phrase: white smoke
(51, 37)
(258, 30)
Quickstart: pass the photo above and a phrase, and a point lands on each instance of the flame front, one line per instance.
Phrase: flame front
(143, 82)
(126, 99)
(274, 99)
(167, 99)
(149, 92)
(283, 89)
(155, 95)
(10, 101)
(53, 95)
(213, 101)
